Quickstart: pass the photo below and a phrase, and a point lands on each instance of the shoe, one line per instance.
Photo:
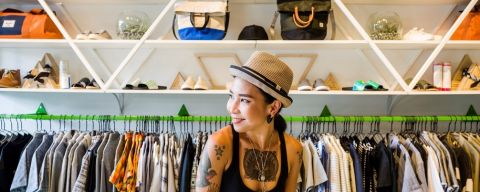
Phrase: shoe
(132, 85)
(373, 86)
(11, 79)
(319, 85)
(81, 84)
(102, 35)
(416, 34)
(92, 85)
(83, 36)
(201, 84)
(304, 86)
(151, 85)
(188, 84)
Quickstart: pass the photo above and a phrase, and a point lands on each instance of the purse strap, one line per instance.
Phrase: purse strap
(205, 21)
(299, 22)
(274, 21)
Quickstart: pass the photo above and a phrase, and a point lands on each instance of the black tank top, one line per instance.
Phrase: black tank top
(231, 179)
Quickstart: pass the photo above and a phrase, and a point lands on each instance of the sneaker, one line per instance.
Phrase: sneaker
(83, 36)
(102, 35)
(319, 85)
(11, 79)
(201, 84)
(188, 84)
(305, 85)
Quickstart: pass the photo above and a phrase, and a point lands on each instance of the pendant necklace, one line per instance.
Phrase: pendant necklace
(263, 161)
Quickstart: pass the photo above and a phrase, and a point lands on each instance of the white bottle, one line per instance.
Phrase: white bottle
(64, 76)
(447, 76)
(438, 75)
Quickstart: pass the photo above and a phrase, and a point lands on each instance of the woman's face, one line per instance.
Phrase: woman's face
(247, 106)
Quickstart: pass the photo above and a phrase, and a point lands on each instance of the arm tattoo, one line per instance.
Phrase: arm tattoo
(252, 169)
(206, 172)
(219, 151)
(213, 188)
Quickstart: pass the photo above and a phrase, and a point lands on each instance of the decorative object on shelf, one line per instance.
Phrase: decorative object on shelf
(201, 20)
(416, 34)
(304, 20)
(132, 25)
(253, 32)
(385, 25)
(469, 28)
(331, 82)
(35, 24)
(177, 82)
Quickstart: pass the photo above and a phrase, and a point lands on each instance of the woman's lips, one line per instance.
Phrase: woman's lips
(237, 120)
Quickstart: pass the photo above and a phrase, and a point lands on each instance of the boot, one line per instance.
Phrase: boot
(11, 79)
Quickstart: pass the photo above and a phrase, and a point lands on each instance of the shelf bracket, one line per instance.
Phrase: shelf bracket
(120, 97)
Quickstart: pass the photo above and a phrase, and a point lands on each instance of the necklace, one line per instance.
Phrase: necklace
(263, 161)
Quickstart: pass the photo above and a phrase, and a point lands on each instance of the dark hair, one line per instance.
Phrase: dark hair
(278, 123)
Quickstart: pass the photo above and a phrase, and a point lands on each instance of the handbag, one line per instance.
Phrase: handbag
(201, 20)
(304, 19)
(469, 29)
(35, 24)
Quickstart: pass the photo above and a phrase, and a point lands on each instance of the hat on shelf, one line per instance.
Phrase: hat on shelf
(267, 72)
(253, 32)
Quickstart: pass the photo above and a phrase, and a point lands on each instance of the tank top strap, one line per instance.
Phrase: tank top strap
(235, 147)
(284, 169)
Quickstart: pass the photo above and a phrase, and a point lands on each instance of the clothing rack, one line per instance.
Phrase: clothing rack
(227, 118)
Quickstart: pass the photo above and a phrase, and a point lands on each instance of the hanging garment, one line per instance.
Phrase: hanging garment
(98, 163)
(108, 161)
(20, 179)
(9, 159)
(58, 154)
(46, 168)
(185, 176)
(37, 159)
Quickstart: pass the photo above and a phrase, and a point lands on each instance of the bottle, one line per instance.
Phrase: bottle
(447, 76)
(437, 75)
(64, 76)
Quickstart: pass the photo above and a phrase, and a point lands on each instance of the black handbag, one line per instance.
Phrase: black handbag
(304, 19)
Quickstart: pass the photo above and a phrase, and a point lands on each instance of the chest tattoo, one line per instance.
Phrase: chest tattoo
(253, 165)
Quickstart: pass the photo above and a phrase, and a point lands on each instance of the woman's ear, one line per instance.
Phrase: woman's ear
(274, 107)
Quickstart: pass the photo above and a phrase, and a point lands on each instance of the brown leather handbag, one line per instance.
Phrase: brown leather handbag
(35, 24)
(469, 29)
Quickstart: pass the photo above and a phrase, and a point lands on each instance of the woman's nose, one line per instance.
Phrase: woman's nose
(233, 106)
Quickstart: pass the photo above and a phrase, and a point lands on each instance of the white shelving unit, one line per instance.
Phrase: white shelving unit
(134, 54)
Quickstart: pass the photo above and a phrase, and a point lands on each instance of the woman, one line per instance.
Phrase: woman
(253, 153)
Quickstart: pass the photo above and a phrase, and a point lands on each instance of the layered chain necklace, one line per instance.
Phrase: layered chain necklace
(263, 161)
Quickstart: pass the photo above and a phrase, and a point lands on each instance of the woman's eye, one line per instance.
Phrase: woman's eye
(244, 101)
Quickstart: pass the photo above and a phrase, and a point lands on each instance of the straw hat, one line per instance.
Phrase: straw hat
(268, 73)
